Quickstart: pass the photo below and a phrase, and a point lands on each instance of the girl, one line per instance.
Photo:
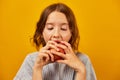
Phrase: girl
(58, 59)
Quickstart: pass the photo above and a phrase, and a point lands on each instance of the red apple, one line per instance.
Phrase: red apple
(58, 57)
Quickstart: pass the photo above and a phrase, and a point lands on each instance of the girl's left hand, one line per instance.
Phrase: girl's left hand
(69, 57)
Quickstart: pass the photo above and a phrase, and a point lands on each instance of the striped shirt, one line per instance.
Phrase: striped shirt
(54, 71)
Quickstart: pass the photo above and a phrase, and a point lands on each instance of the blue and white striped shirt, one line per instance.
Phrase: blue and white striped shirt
(54, 71)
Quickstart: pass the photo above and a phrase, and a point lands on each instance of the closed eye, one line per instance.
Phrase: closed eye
(50, 28)
(64, 29)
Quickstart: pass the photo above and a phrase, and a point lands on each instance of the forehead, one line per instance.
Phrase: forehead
(56, 17)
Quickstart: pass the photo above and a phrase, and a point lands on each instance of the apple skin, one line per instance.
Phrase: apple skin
(58, 57)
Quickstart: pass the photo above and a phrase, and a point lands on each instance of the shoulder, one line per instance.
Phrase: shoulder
(25, 71)
(32, 55)
(30, 58)
(83, 57)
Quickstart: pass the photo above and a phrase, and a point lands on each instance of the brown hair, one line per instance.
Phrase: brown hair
(60, 7)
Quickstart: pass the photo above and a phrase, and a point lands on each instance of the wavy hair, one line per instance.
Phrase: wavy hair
(60, 7)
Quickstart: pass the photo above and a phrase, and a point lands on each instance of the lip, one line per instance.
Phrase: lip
(58, 41)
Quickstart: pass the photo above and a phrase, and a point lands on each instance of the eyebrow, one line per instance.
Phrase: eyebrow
(53, 23)
(49, 24)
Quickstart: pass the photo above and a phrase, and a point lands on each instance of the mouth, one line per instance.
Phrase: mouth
(57, 41)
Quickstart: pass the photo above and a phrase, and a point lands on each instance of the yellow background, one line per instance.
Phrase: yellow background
(99, 25)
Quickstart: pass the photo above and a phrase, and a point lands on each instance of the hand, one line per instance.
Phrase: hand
(44, 57)
(69, 57)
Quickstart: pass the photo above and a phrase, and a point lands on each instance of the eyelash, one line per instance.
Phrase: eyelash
(50, 28)
(63, 29)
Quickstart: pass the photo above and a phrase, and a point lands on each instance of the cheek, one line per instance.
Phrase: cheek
(46, 36)
(66, 37)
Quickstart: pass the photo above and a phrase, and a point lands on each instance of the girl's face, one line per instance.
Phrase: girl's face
(56, 28)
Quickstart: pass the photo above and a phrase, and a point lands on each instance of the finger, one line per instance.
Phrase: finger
(49, 53)
(58, 54)
(51, 44)
(45, 51)
(68, 45)
(51, 56)
(44, 57)
(54, 47)
(64, 47)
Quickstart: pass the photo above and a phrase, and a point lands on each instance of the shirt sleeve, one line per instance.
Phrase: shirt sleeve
(90, 71)
(25, 71)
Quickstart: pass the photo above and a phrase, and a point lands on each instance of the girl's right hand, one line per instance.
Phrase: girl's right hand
(45, 56)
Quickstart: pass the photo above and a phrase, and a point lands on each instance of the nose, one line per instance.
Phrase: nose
(56, 34)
